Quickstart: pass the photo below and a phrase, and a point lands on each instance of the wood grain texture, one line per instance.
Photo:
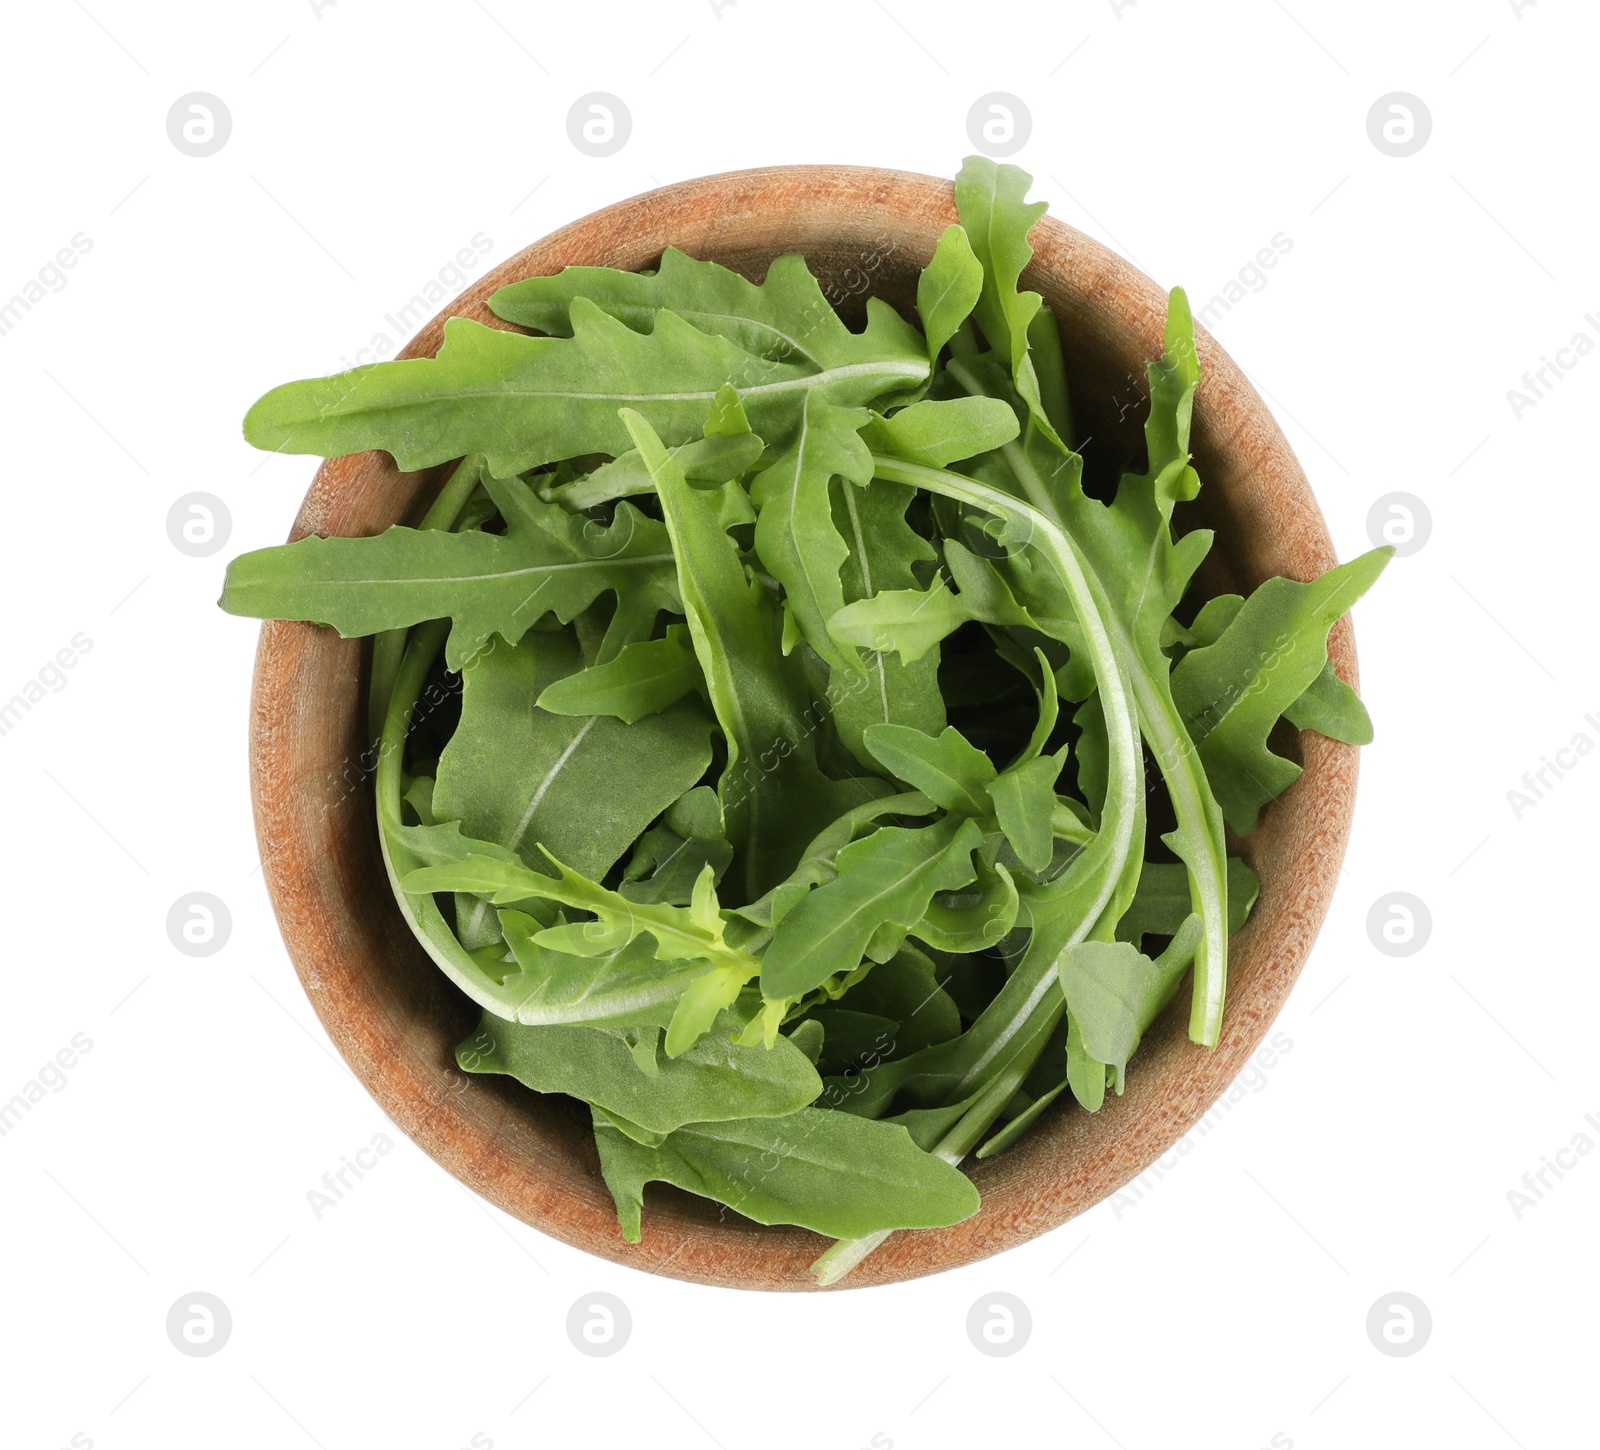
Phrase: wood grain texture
(396, 1019)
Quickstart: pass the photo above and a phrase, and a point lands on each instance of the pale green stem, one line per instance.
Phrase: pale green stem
(390, 645)
(1175, 754)
(1125, 786)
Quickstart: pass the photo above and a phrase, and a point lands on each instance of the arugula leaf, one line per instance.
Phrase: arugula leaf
(948, 769)
(795, 533)
(1114, 992)
(670, 857)
(694, 932)
(1095, 890)
(850, 1036)
(1231, 693)
(1330, 707)
(989, 200)
(1024, 800)
(818, 862)
(714, 1081)
(645, 678)
(1017, 1126)
(785, 318)
(772, 791)
(527, 401)
(976, 919)
(713, 459)
(884, 553)
(1143, 572)
(948, 289)
(624, 986)
(831, 1172)
(887, 878)
(547, 562)
(912, 621)
(938, 432)
(907, 991)
(516, 774)
(907, 622)
(727, 419)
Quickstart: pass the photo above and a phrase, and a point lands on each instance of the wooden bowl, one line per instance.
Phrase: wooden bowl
(395, 1017)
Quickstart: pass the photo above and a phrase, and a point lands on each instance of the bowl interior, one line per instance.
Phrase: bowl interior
(395, 1017)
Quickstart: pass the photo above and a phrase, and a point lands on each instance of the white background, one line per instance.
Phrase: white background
(1228, 1304)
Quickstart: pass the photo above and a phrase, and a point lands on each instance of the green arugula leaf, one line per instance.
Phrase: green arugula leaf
(1114, 993)
(887, 878)
(517, 774)
(547, 562)
(713, 459)
(1024, 799)
(785, 318)
(727, 419)
(714, 1081)
(850, 1036)
(830, 1172)
(1232, 692)
(947, 768)
(1330, 707)
(989, 198)
(695, 932)
(884, 552)
(972, 920)
(906, 990)
(818, 862)
(773, 793)
(527, 401)
(1008, 1135)
(625, 986)
(907, 622)
(1143, 571)
(940, 432)
(1086, 1075)
(671, 857)
(948, 289)
(644, 679)
(795, 533)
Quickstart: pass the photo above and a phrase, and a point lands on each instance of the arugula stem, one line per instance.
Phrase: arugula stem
(416, 657)
(1198, 817)
(1115, 840)
(389, 646)
(1199, 821)
(834, 1263)
(1015, 456)
(1044, 531)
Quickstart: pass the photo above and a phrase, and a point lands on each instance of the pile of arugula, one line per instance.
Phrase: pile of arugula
(765, 710)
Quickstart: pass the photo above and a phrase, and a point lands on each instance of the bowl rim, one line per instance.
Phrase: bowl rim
(503, 1144)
